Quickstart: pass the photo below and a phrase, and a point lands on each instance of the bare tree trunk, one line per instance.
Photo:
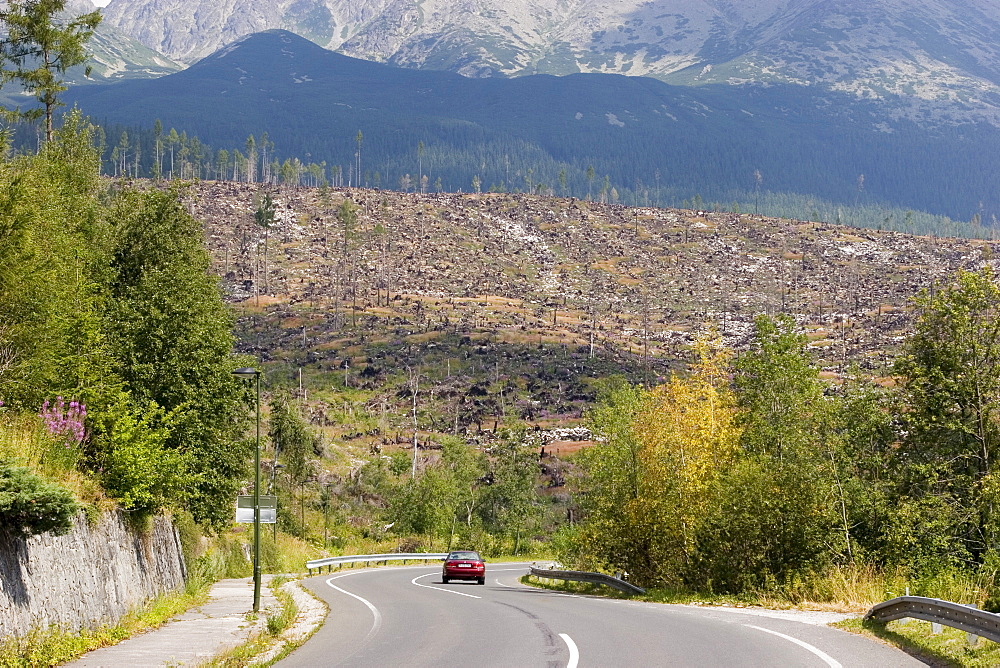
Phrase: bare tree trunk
(414, 388)
(267, 282)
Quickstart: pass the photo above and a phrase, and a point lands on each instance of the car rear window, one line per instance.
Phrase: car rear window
(464, 555)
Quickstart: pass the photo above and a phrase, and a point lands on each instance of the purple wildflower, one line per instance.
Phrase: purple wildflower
(65, 421)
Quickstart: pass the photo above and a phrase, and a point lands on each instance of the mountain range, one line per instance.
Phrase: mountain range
(879, 103)
(934, 61)
(636, 134)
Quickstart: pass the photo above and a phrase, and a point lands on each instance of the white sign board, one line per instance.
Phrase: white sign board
(268, 509)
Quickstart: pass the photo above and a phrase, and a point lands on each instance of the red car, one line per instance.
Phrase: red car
(464, 565)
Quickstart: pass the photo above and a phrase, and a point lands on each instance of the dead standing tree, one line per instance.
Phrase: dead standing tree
(414, 383)
(263, 217)
(347, 215)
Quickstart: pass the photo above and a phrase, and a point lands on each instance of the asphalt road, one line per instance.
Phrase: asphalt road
(406, 617)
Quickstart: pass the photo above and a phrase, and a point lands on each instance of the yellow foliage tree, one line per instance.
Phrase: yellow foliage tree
(687, 435)
(652, 476)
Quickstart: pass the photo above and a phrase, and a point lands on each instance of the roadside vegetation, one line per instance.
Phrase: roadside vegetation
(115, 348)
(753, 475)
(704, 473)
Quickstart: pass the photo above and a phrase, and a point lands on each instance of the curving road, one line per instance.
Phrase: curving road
(406, 617)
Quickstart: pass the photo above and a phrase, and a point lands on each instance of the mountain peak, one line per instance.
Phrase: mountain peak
(274, 53)
(929, 54)
(273, 38)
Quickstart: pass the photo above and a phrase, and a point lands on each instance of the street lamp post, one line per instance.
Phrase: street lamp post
(247, 372)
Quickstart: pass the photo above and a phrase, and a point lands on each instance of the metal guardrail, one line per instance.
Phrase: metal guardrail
(593, 578)
(329, 562)
(963, 617)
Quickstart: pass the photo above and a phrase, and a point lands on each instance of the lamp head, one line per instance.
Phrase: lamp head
(246, 372)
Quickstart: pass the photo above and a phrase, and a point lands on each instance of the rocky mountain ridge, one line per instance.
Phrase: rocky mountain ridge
(935, 60)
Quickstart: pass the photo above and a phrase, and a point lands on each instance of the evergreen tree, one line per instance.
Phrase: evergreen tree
(41, 46)
(51, 263)
(173, 342)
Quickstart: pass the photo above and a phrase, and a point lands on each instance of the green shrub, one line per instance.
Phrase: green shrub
(138, 469)
(31, 505)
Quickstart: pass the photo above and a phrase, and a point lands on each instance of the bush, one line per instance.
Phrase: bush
(138, 469)
(30, 505)
(769, 527)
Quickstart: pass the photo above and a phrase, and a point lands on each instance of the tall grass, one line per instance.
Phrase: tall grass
(25, 442)
(858, 587)
(21, 439)
(853, 589)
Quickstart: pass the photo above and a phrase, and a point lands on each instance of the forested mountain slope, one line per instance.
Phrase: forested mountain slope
(573, 135)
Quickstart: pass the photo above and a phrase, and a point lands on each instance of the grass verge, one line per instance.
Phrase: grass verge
(581, 588)
(52, 646)
(949, 648)
(678, 596)
(256, 650)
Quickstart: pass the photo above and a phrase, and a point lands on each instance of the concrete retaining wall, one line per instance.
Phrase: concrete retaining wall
(87, 578)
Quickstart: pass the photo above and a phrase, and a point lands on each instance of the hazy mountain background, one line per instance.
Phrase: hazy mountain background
(940, 57)
(805, 108)
(114, 54)
(653, 142)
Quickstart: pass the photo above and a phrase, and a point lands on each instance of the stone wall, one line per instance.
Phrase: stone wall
(89, 577)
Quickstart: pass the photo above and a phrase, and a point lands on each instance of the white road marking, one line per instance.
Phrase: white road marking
(830, 661)
(450, 591)
(377, 622)
(574, 653)
(497, 580)
(494, 570)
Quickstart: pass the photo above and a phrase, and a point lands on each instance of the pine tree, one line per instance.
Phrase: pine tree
(41, 46)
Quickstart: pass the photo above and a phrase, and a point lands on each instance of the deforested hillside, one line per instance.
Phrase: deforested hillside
(342, 270)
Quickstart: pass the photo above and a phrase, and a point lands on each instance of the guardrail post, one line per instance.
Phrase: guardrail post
(971, 639)
(935, 628)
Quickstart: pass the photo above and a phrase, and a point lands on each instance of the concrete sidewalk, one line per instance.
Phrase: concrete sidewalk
(195, 636)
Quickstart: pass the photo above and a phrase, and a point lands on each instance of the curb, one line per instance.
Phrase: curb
(312, 613)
